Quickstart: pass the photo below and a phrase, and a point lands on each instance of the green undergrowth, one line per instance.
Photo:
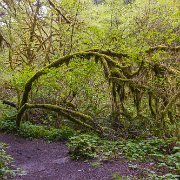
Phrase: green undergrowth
(29, 130)
(5, 160)
(7, 171)
(164, 153)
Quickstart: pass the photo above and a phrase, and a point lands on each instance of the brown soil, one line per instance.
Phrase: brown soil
(50, 161)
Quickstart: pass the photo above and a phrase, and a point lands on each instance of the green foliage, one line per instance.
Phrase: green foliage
(96, 164)
(142, 101)
(7, 111)
(19, 78)
(60, 134)
(83, 146)
(28, 130)
(8, 126)
(5, 161)
(165, 152)
(156, 148)
(117, 176)
(168, 176)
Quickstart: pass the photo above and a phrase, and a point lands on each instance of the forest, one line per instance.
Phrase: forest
(93, 81)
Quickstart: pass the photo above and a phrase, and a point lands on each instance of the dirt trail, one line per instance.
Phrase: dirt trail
(50, 161)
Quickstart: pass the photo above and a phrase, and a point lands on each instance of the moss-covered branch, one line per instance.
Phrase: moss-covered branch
(117, 80)
(89, 53)
(171, 101)
(74, 116)
(150, 104)
(57, 64)
(12, 104)
(109, 53)
(137, 71)
(107, 71)
(163, 48)
(120, 55)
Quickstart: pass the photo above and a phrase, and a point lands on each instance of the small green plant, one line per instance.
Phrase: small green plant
(7, 112)
(5, 160)
(96, 164)
(60, 134)
(83, 146)
(29, 130)
(8, 126)
(117, 176)
(168, 176)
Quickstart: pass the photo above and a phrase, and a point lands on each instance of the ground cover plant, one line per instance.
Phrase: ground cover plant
(6, 170)
(5, 159)
(164, 153)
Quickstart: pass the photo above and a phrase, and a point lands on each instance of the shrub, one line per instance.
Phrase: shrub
(60, 134)
(29, 130)
(8, 126)
(83, 146)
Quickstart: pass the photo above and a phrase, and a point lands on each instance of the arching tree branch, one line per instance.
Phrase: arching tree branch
(57, 64)
(73, 116)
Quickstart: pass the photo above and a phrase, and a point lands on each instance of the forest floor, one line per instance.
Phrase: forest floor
(50, 161)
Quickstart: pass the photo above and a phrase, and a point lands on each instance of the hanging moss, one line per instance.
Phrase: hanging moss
(115, 72)
(96, 59)
(171, 101)
(121, 76)
(135, 73)
(150, 104)
(107, 72)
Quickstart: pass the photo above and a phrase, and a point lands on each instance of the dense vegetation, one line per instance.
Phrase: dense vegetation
(104, 67)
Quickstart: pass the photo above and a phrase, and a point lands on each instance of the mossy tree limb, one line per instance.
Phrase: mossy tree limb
(118, 75)
(12, 104)
(109, 53)
(73, 116)
(63, 60)
(58, 63)
(150, 100)
(163, 48)
(120, 55)
(171, 101)
(119, 80)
